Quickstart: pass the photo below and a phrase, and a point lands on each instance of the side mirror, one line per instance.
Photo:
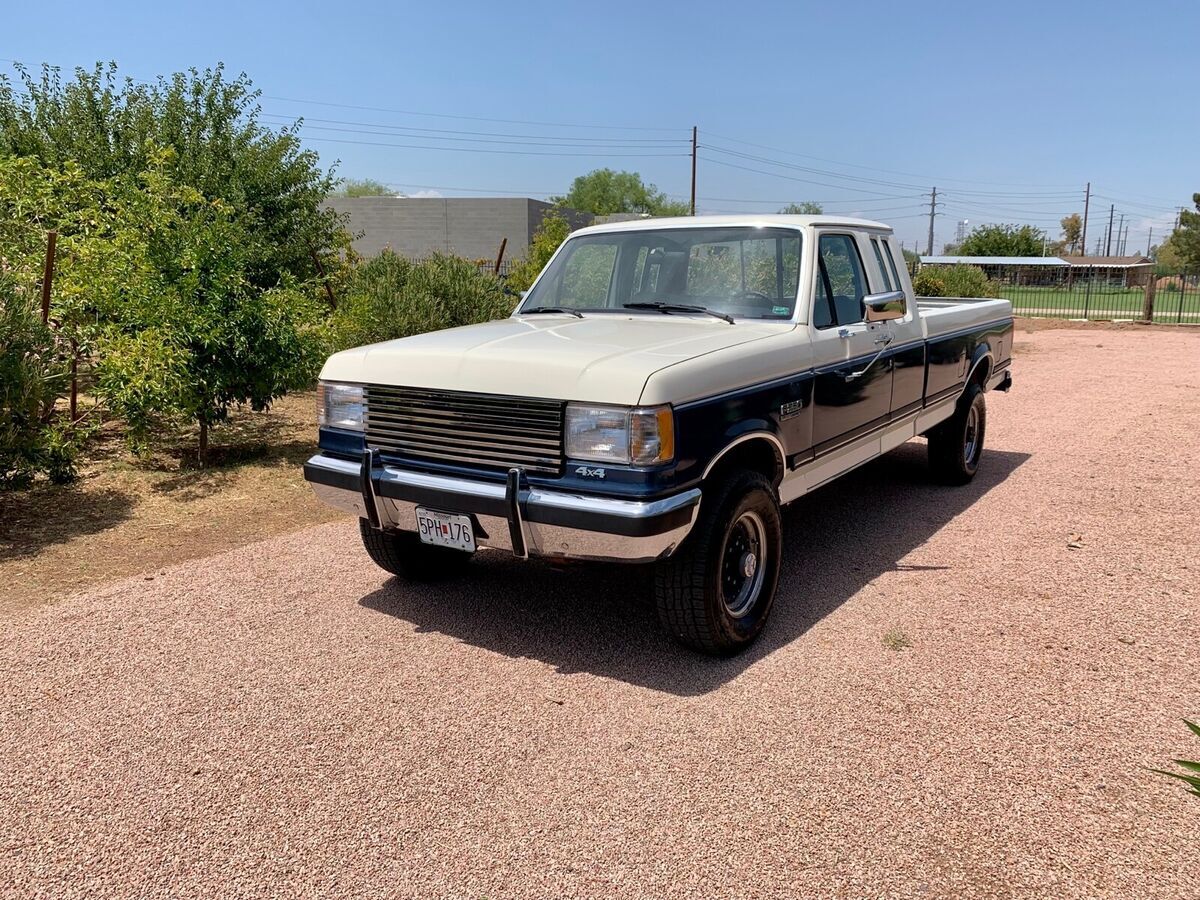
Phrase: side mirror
(886, 306)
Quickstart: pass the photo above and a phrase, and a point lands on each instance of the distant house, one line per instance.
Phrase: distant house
(473, 227)
(1130, 271)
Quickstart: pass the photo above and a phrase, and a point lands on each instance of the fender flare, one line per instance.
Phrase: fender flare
(982, 352)
(758, 434)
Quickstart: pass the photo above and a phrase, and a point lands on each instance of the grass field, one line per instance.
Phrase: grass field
(1101, 302)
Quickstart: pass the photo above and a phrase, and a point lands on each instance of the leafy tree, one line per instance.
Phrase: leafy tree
(1072, 229)
(1181, 251)
(1002, 240)
(113, 128)
(603, 192)
(806, 208)
(549, 235)
(200, 337)
(363, 187)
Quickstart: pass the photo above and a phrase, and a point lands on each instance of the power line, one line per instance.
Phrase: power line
(431, 132)
(868, 168)
(566, 142)
(598, 153)
(842, 187)
(410, 112)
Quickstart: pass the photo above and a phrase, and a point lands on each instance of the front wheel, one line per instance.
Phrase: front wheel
(956, 444)
(715, 593)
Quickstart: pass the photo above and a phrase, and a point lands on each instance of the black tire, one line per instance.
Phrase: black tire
(403, 554)
(698, 590)
(956, 444)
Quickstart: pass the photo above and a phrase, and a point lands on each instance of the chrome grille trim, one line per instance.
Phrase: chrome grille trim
(492, 431)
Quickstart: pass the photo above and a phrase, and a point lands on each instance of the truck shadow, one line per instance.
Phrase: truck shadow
(599, 619)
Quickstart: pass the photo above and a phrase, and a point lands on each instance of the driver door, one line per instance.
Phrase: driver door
(853, 388)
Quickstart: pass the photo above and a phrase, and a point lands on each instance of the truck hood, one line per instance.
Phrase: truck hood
(602, 358)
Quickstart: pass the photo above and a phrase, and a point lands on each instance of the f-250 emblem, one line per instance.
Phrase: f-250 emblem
(589, 473)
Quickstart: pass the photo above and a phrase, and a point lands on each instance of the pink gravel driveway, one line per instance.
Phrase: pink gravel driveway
(286, 720)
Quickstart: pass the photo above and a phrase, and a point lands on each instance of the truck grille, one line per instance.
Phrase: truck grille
(486, 430)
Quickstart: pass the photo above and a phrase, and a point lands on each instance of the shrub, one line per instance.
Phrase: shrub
(390, 297)
(32, 376)
(953, 281)
(552, 232)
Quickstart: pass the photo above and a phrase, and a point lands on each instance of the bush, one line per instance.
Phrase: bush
(953, 281)
(390, 297)
(33, 373)
(552, 232)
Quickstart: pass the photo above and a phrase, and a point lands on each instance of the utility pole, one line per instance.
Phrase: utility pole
(1149, 238)
(932, 213)
(1121, 236)
(1087, 199)
(694, 131)
(1108, 240)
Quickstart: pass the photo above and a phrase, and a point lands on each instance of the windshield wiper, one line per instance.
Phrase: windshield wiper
(552, 309)
(679, 307)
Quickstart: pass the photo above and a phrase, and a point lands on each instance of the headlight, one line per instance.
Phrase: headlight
(340, 405)
(618, 434)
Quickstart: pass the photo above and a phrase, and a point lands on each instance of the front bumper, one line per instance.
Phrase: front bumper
(515, 516)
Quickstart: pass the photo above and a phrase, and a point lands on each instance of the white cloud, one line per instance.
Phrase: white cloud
(426, 194)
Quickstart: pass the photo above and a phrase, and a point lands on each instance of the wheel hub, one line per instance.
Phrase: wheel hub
(742, 564)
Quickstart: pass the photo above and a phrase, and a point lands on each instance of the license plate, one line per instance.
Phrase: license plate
(445, 529)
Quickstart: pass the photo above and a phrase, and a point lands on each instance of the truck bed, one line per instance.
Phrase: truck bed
(943, 315)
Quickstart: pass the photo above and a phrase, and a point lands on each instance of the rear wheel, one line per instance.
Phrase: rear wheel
(715, 593)
(403, 554)
(956, 444)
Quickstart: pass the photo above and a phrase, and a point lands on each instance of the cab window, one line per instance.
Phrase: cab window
(841, 285)
(887, 279)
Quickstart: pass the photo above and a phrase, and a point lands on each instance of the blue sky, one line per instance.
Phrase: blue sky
(1008, 108)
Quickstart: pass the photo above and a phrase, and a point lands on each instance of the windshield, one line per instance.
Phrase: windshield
(741, 271)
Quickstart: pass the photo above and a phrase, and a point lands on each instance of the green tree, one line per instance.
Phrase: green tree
(1181, 251)
(1072, 229)
(603, 192)
(805, 208)
(113, 128)
(199, 337)
(363, 187)
(1003, 240)
(549, 235)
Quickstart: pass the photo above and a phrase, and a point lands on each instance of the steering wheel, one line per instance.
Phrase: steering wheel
(753, 295)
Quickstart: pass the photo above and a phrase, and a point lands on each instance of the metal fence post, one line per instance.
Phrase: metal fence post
(1182, 294)
(1087, 297)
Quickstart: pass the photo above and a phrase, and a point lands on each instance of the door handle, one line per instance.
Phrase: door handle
(851, 376)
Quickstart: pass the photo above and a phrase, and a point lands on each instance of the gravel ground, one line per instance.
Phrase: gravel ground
(284, 720)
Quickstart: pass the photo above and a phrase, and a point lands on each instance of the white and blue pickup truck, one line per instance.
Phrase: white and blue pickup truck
(664, 387)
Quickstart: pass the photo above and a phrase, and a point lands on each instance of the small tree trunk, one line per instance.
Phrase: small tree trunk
(203, 450)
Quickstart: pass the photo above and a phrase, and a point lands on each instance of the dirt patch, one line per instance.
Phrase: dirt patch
(1030, 324)
(126, 516)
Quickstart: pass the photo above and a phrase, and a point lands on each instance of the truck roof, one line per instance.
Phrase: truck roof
(750, 220)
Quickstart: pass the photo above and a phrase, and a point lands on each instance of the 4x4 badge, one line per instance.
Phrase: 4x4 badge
(589, 473)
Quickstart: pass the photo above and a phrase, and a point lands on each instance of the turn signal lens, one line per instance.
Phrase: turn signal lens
(652, 435)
